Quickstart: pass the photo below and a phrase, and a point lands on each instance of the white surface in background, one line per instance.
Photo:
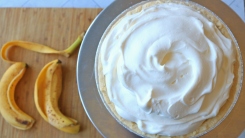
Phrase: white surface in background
(242, 134)
(236, 5)
(103, 3)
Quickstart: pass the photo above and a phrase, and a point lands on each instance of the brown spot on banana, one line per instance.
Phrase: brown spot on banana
(24, 122)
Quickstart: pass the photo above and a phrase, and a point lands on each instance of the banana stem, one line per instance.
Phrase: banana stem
(74, 45)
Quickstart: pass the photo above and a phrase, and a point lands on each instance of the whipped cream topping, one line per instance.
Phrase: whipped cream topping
(167, 68)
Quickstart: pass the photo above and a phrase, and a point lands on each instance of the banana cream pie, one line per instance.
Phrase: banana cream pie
(168, 68)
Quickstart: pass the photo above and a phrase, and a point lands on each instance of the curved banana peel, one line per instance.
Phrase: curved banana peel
(8, 108)
(40, 48)
(48, 88)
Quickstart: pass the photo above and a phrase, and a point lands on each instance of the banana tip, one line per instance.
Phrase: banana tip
(26, 65)
(59, 61)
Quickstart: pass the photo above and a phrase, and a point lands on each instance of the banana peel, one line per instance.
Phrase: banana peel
(48, 88)
(40, 48)
(8, 107)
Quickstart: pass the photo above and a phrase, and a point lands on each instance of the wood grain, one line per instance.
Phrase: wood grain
(57, 28)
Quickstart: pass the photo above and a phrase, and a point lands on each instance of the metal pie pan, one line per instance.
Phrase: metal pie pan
(87, 76)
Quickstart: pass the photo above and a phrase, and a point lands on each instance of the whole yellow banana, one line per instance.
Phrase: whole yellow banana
(48, 88)
(8, 107)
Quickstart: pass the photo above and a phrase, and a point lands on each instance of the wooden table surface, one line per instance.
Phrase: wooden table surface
(58, 28)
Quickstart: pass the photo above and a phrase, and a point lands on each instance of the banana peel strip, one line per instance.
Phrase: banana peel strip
(39, 48)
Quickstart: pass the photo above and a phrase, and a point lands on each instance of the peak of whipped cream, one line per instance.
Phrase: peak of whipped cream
(167, 68)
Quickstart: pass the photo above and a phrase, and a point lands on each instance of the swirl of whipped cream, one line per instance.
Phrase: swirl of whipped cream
(167, 68)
